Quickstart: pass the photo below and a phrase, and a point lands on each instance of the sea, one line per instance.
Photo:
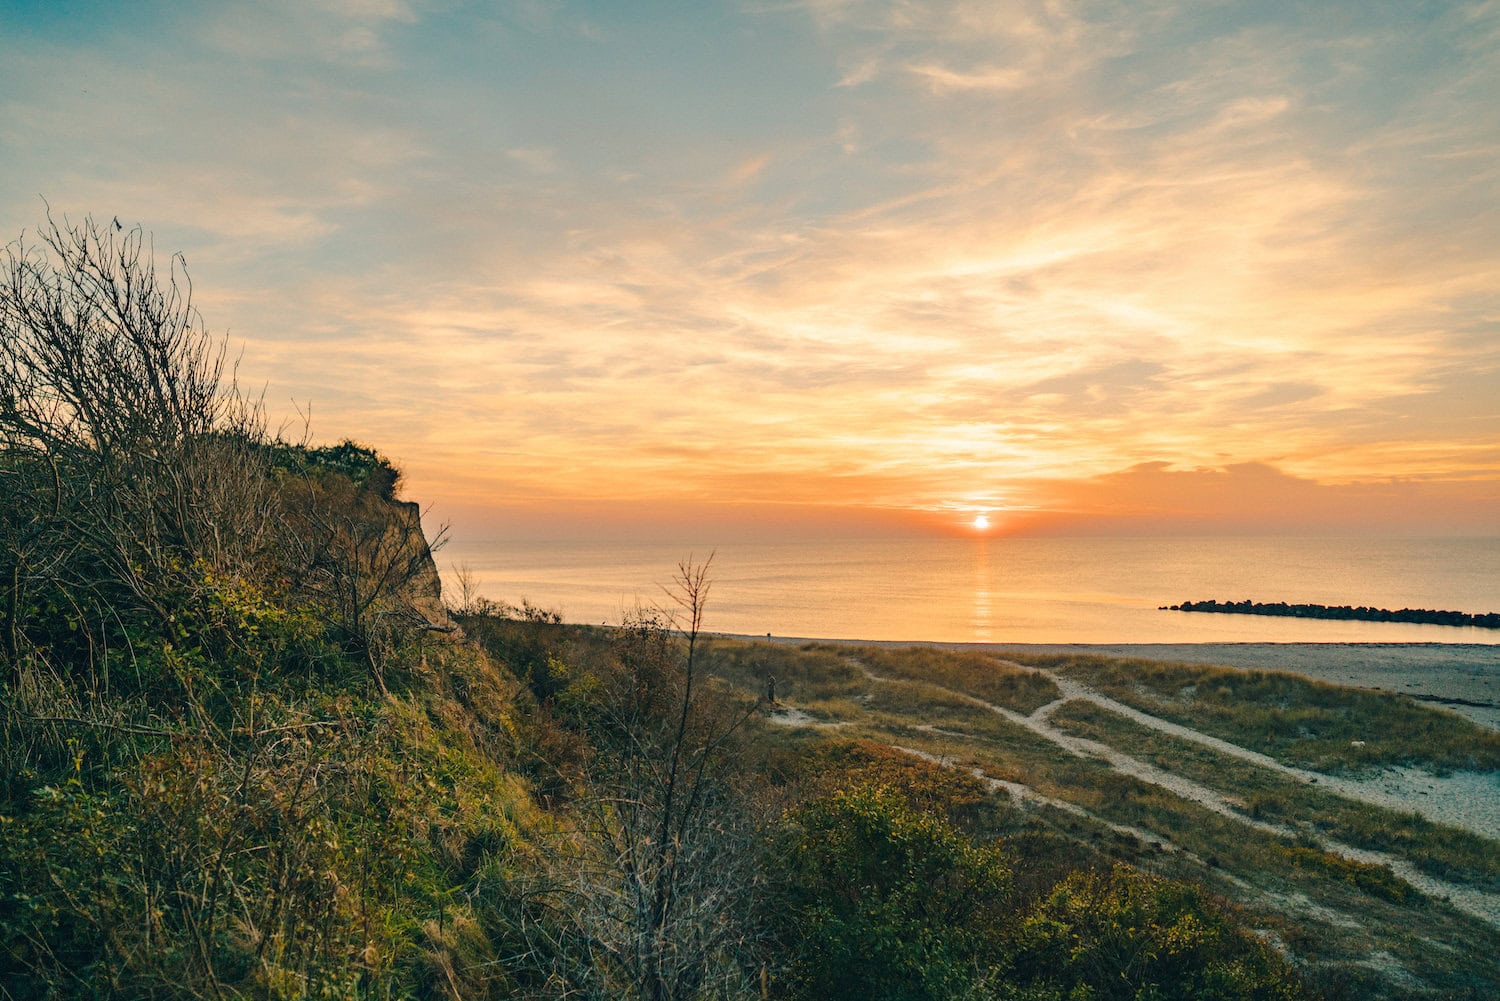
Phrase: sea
(1007, 590)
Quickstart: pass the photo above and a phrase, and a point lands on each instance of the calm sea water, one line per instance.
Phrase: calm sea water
(1012, 590)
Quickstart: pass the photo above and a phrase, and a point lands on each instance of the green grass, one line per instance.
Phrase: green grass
(934, 704)
(981, 675)
(1259, 871)
(1331, 913)
(1298, 721)
(1439, 850)
(804, 674)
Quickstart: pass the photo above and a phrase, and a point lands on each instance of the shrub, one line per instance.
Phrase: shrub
(1127, 936)
(883, 902)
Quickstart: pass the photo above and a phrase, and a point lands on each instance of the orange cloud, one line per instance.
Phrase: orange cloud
(970, 257)
(1154, 498)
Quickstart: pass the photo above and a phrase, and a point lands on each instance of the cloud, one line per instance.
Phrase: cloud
(1157, 498)
(977, 252)
(542, 161)
(348, 32)
(748, 171)
(942, 79)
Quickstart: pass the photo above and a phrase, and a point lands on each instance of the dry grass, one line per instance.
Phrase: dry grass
(1331, 913)
(1301, 722)
(1437, 849)
(981, 675)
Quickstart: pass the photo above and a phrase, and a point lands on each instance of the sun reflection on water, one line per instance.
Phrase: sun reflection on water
(983, 605)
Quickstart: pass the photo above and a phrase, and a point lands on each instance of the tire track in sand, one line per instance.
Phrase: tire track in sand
(1465, 800)
(1474, 902)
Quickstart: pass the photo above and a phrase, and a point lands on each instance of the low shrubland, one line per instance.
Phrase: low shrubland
(888, 898)
(1329, 911)
(981, 675)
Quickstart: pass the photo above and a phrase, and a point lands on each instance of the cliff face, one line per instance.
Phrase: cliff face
(360, 552)
(424, 588)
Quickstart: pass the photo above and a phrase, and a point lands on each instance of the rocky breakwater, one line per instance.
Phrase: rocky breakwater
(1428, 616)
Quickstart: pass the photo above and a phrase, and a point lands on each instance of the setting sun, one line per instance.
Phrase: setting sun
(981, 522)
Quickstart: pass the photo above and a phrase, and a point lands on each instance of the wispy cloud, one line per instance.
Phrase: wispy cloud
(942, 79)
(341, 32)
(960, 255)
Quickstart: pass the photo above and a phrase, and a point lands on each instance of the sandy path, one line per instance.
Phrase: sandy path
(784, 715)
(1471, 901)
(1298, 902)
(1460, 799)
(1025, 795)
(1462, 677)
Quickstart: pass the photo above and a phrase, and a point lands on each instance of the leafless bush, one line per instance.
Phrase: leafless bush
(101, 354)
(468, 601)
(165, 568)
(127, 452)
(647, 894)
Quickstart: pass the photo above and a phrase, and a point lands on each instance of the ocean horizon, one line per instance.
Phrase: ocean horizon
(1008, 590)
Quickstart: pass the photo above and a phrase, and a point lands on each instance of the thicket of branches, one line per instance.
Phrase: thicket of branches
(140, 481)
(123, 446)
(186, 607)
(649, 887)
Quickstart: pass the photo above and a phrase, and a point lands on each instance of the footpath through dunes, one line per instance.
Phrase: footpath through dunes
(1322, 845)
(1467, 800)
(1475, 902)
(1463, 677)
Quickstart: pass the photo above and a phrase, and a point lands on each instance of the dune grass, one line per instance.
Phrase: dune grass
(1365, 908)
(1439, 850)
(981, 675)
(806, 673)
(1354, 927)
(1296, 720)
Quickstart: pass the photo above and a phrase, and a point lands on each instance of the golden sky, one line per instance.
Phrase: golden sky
(831, 265)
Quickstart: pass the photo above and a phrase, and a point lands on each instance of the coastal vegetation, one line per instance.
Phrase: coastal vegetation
(1439, 849)
(1296, 720)
(981, 675)
(1337, 881)
(247, 752)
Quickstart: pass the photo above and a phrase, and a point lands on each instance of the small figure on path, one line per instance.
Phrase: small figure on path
(771, 689)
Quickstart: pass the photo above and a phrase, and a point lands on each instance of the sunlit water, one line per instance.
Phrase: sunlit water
(1012, 590)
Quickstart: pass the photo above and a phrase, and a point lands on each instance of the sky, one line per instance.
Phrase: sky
(831, 266)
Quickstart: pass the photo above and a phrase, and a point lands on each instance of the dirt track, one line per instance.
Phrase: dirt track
(1473, 807)
(1462, 677)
